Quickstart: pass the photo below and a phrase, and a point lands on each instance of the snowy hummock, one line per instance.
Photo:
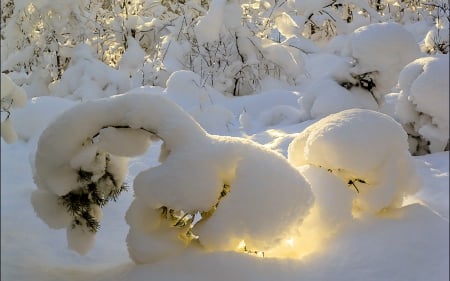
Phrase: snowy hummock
(367, 150)
(223, 183)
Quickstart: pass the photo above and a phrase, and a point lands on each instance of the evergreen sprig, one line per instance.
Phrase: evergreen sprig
(92, 191)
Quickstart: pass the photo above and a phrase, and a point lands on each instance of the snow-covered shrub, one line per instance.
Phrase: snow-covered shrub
(423, 105)
(367, 151)
(437, 39)
(12, 96)
(226, 43)
(208, 188)
(380, 51)
(36, 35)
(88, 78)
(326, 96)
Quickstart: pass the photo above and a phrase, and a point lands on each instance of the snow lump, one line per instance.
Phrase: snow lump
(367, 150)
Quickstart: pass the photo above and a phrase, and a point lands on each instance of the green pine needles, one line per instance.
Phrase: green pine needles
(95, 190)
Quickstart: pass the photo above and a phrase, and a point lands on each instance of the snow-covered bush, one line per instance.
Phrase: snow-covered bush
(12, 96)
(226, 43)
(423, 105)
(36, 35)
(436, 40)
(207, 188)
(367, 151)
(326, 96)
(380, 51)
(88, 78)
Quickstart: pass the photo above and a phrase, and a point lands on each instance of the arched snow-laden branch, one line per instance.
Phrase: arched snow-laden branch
(215, 189)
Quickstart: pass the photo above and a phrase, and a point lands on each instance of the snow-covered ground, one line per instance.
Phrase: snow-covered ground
(411, 244)
(412, 248)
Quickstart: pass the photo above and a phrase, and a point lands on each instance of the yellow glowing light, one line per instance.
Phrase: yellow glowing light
(260, 254)
(290, 241)
(241, 245)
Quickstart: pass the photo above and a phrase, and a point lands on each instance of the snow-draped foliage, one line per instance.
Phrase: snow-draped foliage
(208, 188)
(132, 61)
(423, 104)
(437, 39)
(32, 119)
(88, 78)
(330, 87)
(326, 96)
(37, 34)
(380, 52)
(367, 151)
(222, 41)
(12, 96)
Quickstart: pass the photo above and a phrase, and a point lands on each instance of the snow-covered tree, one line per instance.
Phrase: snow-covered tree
(208, 188)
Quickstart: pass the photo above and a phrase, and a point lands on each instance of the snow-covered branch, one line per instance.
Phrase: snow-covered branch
(217, 177)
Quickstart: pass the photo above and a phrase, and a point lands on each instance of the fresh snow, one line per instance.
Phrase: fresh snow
(309, 175)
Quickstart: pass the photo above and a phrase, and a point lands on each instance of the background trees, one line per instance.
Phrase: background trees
(233, 56)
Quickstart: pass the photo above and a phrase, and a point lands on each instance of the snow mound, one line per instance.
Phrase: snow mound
(368, 150)
(423, 104)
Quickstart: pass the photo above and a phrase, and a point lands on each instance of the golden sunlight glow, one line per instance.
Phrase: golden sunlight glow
(241, 246)
(290, 241)
(306, 239)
